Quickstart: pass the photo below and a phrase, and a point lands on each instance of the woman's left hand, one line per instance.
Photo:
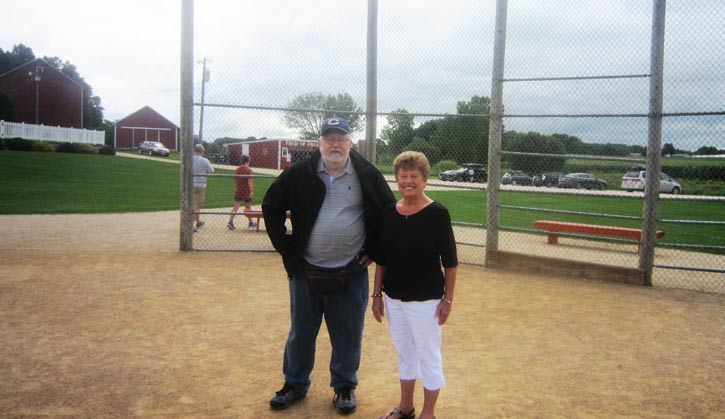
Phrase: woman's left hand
(364, 261)
(378, 309)
(443, 311)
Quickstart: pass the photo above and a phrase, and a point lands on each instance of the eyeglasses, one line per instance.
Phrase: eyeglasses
(339, 140)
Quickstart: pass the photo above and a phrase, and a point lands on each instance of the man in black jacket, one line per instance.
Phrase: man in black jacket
(336, 200)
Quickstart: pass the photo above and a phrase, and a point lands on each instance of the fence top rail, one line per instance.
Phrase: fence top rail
(281, 108)
(622, 76)
(575, 156)
(567, 212)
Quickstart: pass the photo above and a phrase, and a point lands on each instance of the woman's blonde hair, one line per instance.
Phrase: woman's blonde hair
(412, 160)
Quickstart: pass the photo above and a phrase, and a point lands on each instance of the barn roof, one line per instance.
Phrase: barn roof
(145, 108)
(30, 63)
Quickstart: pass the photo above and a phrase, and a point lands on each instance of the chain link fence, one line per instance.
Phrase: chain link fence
(576, 118)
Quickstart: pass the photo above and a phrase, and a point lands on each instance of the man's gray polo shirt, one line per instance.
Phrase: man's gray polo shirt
(339, 231)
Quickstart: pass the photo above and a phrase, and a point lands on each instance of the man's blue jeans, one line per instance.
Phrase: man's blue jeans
(344, 315)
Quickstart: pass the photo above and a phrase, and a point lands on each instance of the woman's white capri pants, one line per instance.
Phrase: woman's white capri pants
(416, 335)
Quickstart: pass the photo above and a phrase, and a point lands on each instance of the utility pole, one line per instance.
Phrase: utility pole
(38, 72)
(204, 80)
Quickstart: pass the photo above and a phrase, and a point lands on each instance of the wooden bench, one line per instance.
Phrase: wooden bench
(556, 227)
(257, 215)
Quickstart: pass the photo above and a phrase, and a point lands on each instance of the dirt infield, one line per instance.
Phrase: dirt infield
(101, 316)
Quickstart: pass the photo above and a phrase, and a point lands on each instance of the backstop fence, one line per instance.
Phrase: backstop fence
(578, 131)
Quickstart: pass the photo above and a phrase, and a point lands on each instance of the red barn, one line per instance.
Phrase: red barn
(271, 154)
(145, 125)
(41, 94)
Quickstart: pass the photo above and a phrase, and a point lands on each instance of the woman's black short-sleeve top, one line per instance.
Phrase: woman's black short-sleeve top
(413, 249)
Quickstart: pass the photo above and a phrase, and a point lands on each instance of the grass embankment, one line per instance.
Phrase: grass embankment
(56, 183)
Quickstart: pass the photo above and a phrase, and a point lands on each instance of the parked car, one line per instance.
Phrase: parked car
(465, 173)
(547, 179)
(635, 181)
(582, 181)
(515, 177)
(152, 147)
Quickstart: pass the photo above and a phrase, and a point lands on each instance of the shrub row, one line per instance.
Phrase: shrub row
(76, 148)
(699, 172)
(696, 172)
(20, 144)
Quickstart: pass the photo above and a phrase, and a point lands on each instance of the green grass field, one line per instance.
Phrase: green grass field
(56, 183)
(470, 206)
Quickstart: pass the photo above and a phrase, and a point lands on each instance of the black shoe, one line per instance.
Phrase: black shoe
(345, 401)
(285, 398)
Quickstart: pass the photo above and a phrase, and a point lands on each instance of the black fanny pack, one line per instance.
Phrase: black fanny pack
(326, 281)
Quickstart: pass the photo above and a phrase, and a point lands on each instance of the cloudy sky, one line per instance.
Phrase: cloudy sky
(431, 54)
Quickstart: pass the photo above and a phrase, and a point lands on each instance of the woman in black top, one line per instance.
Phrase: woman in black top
(416, 239)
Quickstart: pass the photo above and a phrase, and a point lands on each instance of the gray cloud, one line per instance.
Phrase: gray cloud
(431, 55)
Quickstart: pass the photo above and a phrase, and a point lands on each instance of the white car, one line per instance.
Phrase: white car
(635, 181)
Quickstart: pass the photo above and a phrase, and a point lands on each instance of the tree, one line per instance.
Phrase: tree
(708, 151)
(668, 149)
(7, 110)
(572, 144)
(15, 58)
(322, 106)
(533, 142)
(382, 151)
(608, 149)
(471, 140)
(398, 133)
(462, 137)
(431, 152)
(638, 150)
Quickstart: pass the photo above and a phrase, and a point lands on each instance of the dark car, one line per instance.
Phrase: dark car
(547, 179)
(470, 172)
(582, 181)
(515, 177)
(152, 147)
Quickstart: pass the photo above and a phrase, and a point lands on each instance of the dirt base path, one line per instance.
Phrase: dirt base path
(101, 316)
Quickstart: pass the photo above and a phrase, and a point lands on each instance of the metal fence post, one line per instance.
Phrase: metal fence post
(372, 82)
(201, 108)
(495, 129)
(186, 195)
(654, 143)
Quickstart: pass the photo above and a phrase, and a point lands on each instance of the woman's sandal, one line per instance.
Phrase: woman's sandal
(401, 415)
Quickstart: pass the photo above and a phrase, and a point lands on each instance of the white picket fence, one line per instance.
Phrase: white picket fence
(48, 133)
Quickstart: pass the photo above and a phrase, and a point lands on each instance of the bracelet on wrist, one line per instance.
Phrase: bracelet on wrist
(446, 300)
(379, 295)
